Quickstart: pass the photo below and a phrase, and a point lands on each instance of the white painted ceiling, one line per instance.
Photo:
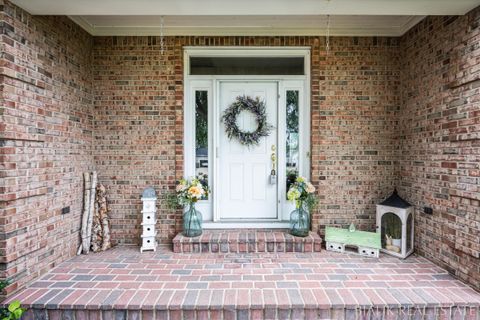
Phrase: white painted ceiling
(247, 17)
(247, 25)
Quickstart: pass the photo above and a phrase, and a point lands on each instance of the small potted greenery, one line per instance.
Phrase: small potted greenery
(13, 311)
(393, 230)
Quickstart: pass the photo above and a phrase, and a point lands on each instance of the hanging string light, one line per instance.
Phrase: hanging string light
(327, 33)
(162, 40)
(327, 36)
(385, 62)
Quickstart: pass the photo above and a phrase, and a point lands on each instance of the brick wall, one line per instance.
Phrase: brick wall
(385, 111)
(440, 138)
(139, 127)
(45, 140)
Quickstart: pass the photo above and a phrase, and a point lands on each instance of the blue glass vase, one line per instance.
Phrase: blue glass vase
(192, 222)
(299, 221)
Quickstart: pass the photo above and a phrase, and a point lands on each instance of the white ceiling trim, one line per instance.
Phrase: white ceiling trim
(387, 31)
(84, 24)
(247, 7)
(410, 23)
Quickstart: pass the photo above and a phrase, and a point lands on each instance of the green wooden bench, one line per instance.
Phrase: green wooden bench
(367, 243)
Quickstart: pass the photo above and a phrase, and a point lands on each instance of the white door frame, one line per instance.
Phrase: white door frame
(211, 84)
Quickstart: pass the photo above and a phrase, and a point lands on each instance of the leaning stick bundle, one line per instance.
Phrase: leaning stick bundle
(86, 206)
(101, 227)
(103, 217)
(95, 231)
(86, 246)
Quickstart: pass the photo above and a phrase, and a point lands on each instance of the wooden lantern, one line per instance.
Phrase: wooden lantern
(395, 224)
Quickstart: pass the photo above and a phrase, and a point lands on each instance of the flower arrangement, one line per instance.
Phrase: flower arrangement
(189, 191)
(302, 192)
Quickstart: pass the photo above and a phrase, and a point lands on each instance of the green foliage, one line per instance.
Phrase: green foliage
(392, 225)
(292, 111)
(292, 122)
(4, 284)
(311, 203)
(201, 119)
(172, 201)
(14, 311)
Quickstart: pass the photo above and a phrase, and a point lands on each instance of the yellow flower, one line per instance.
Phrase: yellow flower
(195, 192)
(293, 194)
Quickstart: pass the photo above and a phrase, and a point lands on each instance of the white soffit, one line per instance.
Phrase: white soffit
(247, 17)
(248, 25)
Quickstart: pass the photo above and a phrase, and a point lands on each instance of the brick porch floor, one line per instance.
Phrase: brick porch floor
(124, 284)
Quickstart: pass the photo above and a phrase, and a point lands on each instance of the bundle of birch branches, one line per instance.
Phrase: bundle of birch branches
(95, 232)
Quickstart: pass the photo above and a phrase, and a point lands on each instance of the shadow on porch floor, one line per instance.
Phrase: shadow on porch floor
(124, 284)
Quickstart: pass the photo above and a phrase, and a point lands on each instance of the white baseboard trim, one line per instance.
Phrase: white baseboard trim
(246, 225)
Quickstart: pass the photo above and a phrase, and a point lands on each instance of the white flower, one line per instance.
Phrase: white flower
(310, 188)
(181, 187)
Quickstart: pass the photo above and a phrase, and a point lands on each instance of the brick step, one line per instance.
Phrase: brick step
(297, 313)
(248, 240)
(123, 283)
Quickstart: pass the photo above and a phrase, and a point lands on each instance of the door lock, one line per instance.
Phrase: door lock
(273, 174)
(273, 177)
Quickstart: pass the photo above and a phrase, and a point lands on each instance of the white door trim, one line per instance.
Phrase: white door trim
(210, 83)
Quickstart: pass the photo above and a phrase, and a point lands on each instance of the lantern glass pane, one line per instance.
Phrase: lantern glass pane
(391, 232)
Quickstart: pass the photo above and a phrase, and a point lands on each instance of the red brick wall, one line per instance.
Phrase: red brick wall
(384, 111)
(139, 126)
(440, 136)
(45, 140)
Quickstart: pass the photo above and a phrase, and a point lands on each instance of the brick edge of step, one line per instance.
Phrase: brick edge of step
(405, 312)
(279, 242)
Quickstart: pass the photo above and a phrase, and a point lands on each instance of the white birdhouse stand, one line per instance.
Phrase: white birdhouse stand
(149, 220)
(395, 223)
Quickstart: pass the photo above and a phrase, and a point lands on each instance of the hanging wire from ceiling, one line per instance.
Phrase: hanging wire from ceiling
(327, 35)
(386, 76)
(162, 38)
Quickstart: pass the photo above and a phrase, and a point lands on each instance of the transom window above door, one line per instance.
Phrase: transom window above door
(247, 66)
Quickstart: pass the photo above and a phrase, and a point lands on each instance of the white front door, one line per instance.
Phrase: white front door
(244, 187)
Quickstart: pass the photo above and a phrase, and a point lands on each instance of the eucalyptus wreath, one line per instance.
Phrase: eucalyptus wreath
(255, 106)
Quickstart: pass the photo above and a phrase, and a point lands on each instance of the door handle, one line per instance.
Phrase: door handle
(273, 156)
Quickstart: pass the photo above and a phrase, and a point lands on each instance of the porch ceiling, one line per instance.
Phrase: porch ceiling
(247, 17)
